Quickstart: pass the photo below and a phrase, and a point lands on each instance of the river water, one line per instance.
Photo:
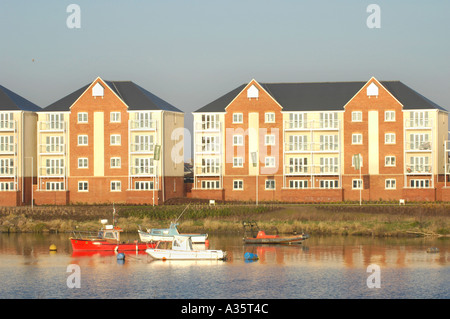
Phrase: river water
(332, 267)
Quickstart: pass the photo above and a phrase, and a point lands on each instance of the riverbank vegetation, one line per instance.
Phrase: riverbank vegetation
(370, 219)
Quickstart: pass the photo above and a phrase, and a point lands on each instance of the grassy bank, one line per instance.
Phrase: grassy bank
(343, 219)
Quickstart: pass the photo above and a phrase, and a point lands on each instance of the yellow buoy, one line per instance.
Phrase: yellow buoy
(52, 247)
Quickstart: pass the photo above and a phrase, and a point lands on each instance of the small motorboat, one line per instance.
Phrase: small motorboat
(166, 234)
(258, 236)
(180, 248)
(106, 239)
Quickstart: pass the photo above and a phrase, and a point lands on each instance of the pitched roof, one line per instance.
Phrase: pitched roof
(10, 101)
(323, 96)
(134, 96)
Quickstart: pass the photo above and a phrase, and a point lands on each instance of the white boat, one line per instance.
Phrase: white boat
(166, 234)
(181, 249)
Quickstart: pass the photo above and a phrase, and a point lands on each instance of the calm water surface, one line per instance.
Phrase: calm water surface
(321, 267)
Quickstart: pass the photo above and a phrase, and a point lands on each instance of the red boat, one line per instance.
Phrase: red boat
(258, 236)
(107, 239)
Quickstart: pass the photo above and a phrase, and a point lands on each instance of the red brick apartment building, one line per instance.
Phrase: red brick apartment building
(108, 142)
(302, 142)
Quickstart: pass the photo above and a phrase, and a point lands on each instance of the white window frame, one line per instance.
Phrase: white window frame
(116, 186)
(115, 140)
(389, 116)
(143, 185)
(356, 116)
(269, 139)
(84, 186)
(357, 183)
(298, 184)
(238, 118)
(115, 117)
(84, 161)
(7, 186)
(115, 162)
(390, 183)
(54, 186)
(269, 161)
(210, 184)
(328, 183)
(269, 117)
(389, 138)
(238, 140)
(390, 161)
(82, 117)
(238, 185)
(357, 139)
(238, 162)
(83, 140)
(270, 184)
(416, 183)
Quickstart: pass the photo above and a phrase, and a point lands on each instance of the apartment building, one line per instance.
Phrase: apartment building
(313, 142)
(17, 148)
(109, 142)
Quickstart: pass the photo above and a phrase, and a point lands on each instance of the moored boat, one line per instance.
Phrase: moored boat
(258, 236)
(181, 249)
(166, 234)
(106, 239)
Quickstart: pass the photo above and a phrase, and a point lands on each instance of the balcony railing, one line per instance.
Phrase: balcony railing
(144, 170)
(7, 125)
(207, 148)
(142, 148)
(312, 170)
(312, 125)
(418, 146)
(8, 149)
(56, 149)
(52, 171)
(52, 126)
(311, 147)
(8, 171)
(207, 170)
(212, 126)
(418, 169)
(143, 125)
(418, 123)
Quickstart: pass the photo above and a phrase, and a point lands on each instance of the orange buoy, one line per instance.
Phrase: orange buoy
(207, 243)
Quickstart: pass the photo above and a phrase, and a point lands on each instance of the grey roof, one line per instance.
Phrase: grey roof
(10, 101)
(134, 96)
(323, 96)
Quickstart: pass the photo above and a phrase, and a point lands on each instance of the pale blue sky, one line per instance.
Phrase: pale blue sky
(191, 52)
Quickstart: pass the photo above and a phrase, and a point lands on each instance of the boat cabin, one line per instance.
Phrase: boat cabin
(178, 243)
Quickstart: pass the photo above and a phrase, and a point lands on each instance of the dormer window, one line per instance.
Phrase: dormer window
(252, 92)
(372, 90)
(98, 90)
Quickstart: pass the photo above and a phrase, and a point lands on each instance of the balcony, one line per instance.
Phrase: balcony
(51, 149)
(142, 148)
(311, 147)
(212, 126)
(211, 148)
(143, 125)
(312, 170)
(418, 124)
(418, 169)
(8, 171)
(52, 171)
(311, 125)
(144, 171)
(52, 126)
(418, 147)
(7, 125)
(207, 170)
(8, 149)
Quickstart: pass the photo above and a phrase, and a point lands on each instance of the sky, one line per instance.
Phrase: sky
(191, 52)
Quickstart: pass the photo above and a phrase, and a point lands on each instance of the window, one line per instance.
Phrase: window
(115, 139)
(389, 161)
(419, 141)
(143, 185)
(298, 184)
(389, 138)
(329, 142)
(269, 161)
(238, 140)
(270, 184)
(53, 144)
(329, 183)
(357, 184)
(419, 183)
(82, 117)
(54, 166)
(115, 162)
(54, 186)
(390, 184)
(6, 186)
(6, 143)
(372, 90)
(419, 119)
(210, 165)
(115, 186)
(238, 184)
(6, 166)
(389, 116)
(269, 139)
(298, 165)
(114, 117)
(329, 120)
(357, 116)
(269, 117)
(210, 122)
(357, 138)
(419, 164)
(142, 143)
(6, 120)
(83, 186)
(238, 162)
(97, 90)
(252, 92)
(210, 184)
(329, 165)
(82, 140)
(297, 120)
(238, 118)
(82, 162)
